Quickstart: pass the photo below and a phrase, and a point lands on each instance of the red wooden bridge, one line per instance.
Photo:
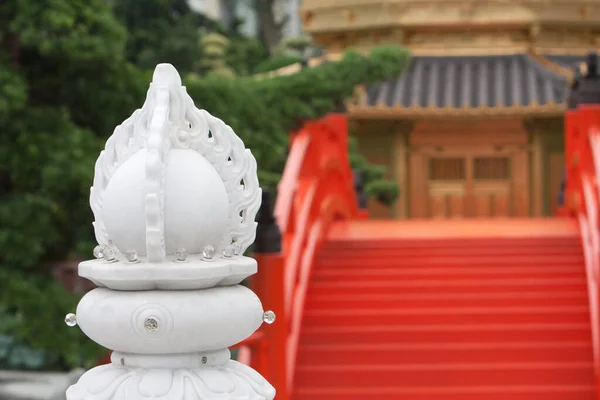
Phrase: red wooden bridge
(428, 309)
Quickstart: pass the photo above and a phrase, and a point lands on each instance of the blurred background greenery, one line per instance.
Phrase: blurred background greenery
(72, 70)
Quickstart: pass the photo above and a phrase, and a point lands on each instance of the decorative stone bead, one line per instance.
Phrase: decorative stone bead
(180, 254)
(71, 319)
(109, 253)
(208, 252)
(268, 317)
(228, 251)
(236, 248)
(98, 252)
(131, 256)
(151, 324)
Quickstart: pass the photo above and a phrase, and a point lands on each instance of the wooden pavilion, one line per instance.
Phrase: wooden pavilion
(474, 125)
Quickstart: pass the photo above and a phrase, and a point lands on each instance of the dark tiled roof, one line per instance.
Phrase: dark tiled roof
(570, 62)
(471, 81)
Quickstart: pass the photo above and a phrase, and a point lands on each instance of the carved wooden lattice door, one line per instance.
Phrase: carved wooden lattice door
(447, 186)
(491, 182)
(471, 184)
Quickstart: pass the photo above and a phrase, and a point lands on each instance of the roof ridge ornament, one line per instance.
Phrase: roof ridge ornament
(175, 196)
(592, 65)
(586, 88)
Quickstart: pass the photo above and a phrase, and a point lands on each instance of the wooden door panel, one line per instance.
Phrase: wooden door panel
(446, 185)
(456, 206)
(446, 199)
(501, 205)
(497, 193)
(474, 182)
(482, 205)
(437, 206)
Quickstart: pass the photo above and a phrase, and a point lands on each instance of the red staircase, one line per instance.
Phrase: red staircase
(428, 310)
(447, 317)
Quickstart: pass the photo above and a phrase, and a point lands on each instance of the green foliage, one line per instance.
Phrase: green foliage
(83, 30)
(163, 31)
(64, 85)
(299, 46)
(13, 92)
(245, 55)
(276, 62)
(386, 192)
(32, 308)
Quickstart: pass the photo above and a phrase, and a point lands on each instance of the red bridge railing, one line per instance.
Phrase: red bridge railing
(316, 188)
(582, 157)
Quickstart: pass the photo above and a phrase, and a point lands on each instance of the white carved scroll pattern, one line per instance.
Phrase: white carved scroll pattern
(127, 139)
(218, 143)
(157, 147)
(242, 225)
(237, 168)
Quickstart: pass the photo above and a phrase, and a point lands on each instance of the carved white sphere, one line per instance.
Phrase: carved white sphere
(196, 204)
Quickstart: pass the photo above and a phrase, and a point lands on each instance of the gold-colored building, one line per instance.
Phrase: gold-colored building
(474, 125)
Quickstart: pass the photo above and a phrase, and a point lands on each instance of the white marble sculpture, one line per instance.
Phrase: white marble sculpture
(174, 198)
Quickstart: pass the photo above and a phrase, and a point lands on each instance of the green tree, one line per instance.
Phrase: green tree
(163, 31)
(244, 54)
(64, 85)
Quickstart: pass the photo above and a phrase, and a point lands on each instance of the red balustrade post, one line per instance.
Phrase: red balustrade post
(572, 185)
(586, 94)
(588, 119)
(572, 196)
(269, 286)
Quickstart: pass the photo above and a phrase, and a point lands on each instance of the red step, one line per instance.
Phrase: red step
(394, 353)
(503, 392)
(452, 250)
(505, 285)
(433, 244)
(411, 272)
(447, 315)
(416, 300)
(349, 261)
(381, 332)
(445, 375)
(382, 253)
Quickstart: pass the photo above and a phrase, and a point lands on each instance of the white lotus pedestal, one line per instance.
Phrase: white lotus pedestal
(175, 196)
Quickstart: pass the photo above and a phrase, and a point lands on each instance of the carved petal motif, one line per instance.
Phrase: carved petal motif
(231, 381)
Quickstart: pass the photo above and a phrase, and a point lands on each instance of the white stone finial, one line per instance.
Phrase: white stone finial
(174, 198)
(172, 181)
(166, 75)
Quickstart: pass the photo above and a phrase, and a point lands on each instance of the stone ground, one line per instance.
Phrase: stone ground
(15, 385)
